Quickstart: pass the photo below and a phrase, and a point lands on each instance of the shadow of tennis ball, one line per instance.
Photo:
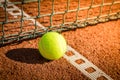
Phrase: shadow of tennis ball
(26, 55)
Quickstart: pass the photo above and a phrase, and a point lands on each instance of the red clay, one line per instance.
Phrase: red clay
(100, 44)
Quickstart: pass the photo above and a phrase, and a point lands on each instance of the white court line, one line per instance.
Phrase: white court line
(93, 76)
(11, 10)
(87, 64)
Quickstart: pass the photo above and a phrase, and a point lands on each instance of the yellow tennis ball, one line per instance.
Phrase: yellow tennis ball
(52, 45)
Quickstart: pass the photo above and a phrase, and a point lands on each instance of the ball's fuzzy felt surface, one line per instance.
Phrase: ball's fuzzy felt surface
(52, 45)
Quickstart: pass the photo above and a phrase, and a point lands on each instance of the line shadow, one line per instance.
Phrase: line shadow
(26, 55)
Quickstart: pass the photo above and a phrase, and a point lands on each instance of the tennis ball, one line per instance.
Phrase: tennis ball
(52, 45)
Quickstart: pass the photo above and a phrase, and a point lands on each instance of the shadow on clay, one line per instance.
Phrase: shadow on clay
(26, 55)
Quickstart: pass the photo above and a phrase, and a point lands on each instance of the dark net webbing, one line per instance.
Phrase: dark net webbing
(26, 19)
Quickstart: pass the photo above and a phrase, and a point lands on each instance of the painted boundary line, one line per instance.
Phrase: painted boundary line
(82, 67)
(87, 64)
(11, 10)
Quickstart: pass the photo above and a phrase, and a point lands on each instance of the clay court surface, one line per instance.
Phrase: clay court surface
(100, 44)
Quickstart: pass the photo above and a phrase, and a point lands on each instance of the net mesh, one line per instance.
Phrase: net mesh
(26, 19)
